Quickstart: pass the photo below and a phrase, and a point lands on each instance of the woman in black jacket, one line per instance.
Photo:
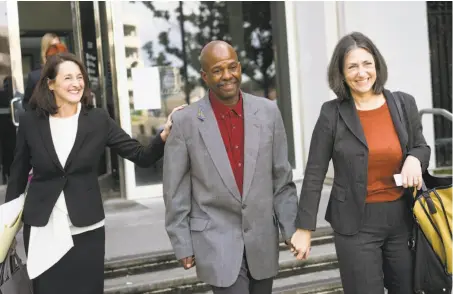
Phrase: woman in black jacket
(362, 132)
(63, 138)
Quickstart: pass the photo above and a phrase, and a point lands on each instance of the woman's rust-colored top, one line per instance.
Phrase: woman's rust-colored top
(385, 155)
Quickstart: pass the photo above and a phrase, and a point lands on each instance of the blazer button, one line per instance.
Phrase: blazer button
(244, 206)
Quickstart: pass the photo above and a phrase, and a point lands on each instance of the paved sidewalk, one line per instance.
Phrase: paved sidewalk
(137, 227)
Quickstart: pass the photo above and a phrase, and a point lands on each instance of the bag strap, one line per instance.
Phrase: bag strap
(26, 190)
(409, 198)
(399, 100)
(402, 114)
(6, 268)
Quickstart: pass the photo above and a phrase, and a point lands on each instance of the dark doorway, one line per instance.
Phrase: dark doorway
(440, 34)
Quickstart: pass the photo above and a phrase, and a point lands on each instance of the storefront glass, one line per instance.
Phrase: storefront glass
(10, 87)
(162, 44)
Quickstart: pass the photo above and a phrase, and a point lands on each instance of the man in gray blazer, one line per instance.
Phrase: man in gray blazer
(227, 181)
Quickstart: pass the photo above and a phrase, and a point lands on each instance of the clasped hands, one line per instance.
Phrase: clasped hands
(300, 244)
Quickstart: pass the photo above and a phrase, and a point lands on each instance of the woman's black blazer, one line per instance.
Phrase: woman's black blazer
(338, 135)
(78, 178)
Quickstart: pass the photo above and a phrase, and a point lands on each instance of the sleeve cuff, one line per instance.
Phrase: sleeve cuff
(157, 140)
(305, 223)
(181, 253)
(288, 232)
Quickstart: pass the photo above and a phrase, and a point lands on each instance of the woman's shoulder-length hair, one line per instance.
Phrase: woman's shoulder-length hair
(335, 74)
(43, 100)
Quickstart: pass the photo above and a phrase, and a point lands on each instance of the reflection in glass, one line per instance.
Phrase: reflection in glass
(7, 86)
(171, 35)
(5, 61)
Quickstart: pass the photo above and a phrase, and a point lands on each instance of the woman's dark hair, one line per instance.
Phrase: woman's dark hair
(43, 100)
(336, 76)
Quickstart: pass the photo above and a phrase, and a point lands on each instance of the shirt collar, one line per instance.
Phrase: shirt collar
(220, 108)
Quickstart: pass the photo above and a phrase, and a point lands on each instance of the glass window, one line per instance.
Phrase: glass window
(170, 36)
(8, 90)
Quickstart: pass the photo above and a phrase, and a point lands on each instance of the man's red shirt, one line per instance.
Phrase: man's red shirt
(231, 125)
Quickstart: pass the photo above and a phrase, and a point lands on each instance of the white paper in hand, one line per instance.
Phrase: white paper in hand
(398, 179)
(9, 212)
(10, 224)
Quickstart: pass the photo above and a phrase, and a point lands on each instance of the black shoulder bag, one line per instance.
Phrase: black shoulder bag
(431, 238)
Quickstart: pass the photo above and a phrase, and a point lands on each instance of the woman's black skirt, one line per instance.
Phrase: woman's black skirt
(80, 271)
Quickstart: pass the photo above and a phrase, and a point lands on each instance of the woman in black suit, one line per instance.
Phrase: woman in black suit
(62, 139)
(364, 135)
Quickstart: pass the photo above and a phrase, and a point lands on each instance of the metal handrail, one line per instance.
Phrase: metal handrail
(13, 113)
(437, 111)
(446, 114)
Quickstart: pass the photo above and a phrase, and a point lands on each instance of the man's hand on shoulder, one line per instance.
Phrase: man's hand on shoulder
(188, 262)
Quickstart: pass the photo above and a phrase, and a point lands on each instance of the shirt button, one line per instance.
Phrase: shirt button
(236, 147)
(239, 164)
(222, 116)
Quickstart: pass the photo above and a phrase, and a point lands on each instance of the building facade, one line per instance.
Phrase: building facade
(143, 61)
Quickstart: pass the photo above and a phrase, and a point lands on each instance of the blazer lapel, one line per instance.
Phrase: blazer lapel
(212, 138)
(46, 135)
(252, 131)
(349, 115)
(399, 127)
(82, 130)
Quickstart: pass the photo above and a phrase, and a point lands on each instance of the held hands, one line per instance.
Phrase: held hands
(188, 262)
(411, 173)
(300, 242)
(168, 124)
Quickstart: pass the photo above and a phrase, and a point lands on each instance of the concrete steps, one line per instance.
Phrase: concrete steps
(161, 273)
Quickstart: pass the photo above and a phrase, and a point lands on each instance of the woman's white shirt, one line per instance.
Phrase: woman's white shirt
(50, 243)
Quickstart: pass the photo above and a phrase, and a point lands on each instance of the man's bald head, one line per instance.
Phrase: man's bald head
(221, 70)
(213, 50)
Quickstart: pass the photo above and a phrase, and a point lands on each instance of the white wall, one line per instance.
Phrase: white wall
(317, 36)
(399, 30)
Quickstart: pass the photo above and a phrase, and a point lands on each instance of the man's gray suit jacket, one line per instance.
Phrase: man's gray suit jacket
(205, 214)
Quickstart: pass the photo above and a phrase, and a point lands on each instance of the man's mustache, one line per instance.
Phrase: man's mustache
(233, 81)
